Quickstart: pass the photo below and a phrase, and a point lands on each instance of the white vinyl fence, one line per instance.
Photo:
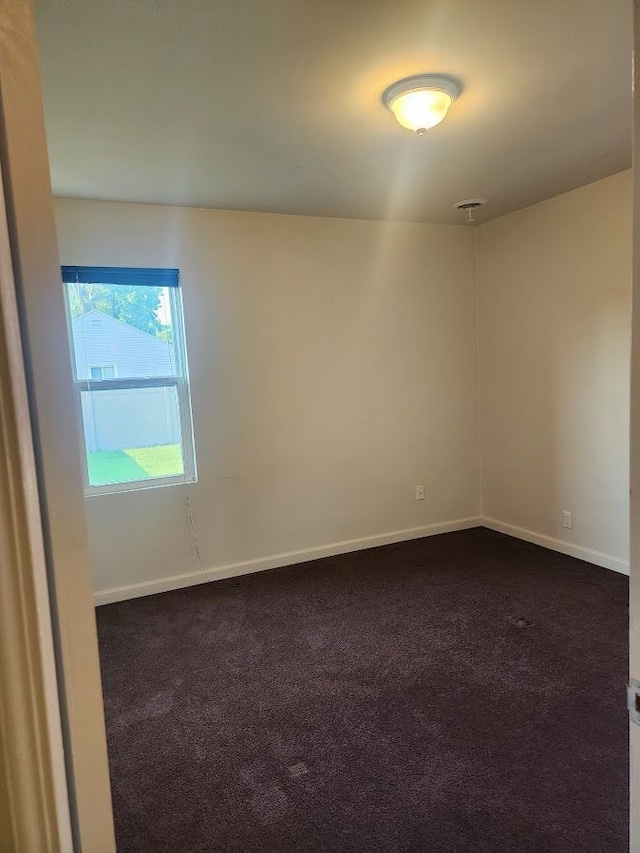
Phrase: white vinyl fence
(128, 418)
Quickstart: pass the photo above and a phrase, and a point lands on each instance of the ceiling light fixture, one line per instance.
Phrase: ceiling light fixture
(421, 102)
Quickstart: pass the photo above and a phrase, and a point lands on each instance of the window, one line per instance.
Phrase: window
(107, 371)
(130, 376)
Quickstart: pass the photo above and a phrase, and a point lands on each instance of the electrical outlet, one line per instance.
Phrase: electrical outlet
(567, 519)
(419, 493)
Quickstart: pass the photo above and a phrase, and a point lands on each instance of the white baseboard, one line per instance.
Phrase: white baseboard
(274, 561)
(607, 561)
(136, 590)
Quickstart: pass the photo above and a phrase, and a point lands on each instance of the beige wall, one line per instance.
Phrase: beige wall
(333, 368)
(555, 311)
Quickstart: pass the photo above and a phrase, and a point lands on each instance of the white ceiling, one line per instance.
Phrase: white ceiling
(274, 105)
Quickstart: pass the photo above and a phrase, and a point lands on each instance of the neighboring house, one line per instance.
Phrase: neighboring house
(101, 344)
(123, 418)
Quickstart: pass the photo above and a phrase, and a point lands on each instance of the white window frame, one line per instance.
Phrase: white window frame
(179, 381)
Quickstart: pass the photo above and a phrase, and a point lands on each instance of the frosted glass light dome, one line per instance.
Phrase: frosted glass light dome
(420, 103)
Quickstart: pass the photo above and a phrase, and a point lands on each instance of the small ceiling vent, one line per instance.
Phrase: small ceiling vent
(470, 204)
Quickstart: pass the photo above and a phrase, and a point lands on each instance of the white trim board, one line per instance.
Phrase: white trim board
(274, 561)
(607, 561)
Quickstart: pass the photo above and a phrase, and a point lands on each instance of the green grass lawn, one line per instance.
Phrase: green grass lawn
(136, 463)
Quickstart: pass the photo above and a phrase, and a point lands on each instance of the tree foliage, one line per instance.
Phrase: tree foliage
(136, 305)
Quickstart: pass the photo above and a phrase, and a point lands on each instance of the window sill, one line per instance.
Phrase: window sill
(138, 486)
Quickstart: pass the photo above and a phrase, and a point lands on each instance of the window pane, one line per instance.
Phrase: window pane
(132, 434)
(126, 329)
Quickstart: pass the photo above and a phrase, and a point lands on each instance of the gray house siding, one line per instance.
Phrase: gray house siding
(100, 340)
(120, 419)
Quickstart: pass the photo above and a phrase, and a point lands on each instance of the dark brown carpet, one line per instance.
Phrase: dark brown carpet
(460, 693)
